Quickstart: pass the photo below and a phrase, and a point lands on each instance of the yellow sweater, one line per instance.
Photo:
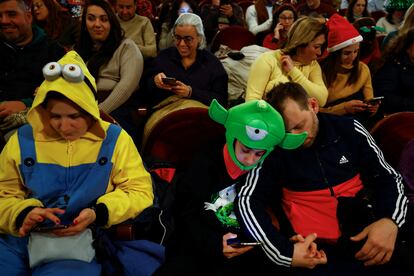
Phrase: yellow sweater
(266, 72)
(339, 89)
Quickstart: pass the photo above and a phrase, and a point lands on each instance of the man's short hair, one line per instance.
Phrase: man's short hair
(279, 94)
(20, 3)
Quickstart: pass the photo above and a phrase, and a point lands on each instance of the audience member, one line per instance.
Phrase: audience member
(315, 8)
(283, 19)
(205, 193)
(356, 9)
(136, 27)
(395, 14)
(168, 16)
(259, 17)
(376, 5)
(64, 171)
(145, 8)
(58, 24)
(336, 187)
(296, 62)
(407, 23)
(348, 80)
(369, 51)
(114, 61)
(24, 50)
(219, 15)
(197, 73)
(394, 78)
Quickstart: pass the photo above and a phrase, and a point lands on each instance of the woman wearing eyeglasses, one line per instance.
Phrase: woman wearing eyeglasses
(198, 74)
(115, 62)
(283, 19)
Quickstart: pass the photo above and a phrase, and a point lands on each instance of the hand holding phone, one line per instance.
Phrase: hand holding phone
(374, 101)
(169, 81)
(235, 242)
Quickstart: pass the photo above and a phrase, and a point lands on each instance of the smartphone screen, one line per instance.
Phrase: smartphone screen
(237, 243)
(49, 228)
(169, 81)
(375, 100)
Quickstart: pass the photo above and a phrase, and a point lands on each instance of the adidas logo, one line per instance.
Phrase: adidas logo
(343, 160)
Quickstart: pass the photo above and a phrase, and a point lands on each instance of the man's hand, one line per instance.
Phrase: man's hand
(381, 236)
(306, 253)
(7, 108)
(38, 215)
(80, 223)
(231, 252)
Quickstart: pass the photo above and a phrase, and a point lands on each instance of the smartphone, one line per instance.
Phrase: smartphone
(49, 228)
(169, 81)
(374, 100)
(235, 242)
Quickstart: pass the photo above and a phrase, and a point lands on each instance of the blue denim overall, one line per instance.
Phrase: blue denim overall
(72, 188)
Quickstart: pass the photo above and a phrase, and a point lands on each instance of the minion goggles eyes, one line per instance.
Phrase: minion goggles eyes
(70, 72)
(256, 134)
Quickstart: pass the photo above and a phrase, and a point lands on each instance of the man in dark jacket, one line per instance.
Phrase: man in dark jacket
(323, 188)
(24, 50)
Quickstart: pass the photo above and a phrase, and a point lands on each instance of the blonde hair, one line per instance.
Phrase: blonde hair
(408, 21)
(302, 32)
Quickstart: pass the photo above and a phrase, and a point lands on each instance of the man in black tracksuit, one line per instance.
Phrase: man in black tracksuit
(338, 161)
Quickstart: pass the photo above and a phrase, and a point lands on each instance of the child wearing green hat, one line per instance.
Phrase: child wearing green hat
(205, 194)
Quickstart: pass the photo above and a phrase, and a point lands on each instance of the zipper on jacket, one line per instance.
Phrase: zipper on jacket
(324, 175)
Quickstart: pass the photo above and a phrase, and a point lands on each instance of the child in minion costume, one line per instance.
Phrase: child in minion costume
(206, 192)
(47, 179)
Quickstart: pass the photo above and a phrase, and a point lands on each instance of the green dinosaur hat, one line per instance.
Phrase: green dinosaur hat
(256, 125)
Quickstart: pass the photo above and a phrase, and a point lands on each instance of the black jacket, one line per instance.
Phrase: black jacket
(21, 67)
(319, 167)
(395, 81)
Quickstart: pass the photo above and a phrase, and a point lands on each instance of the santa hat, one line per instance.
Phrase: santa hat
(341, 33)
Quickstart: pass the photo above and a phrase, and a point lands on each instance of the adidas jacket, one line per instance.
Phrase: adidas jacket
(343, 150)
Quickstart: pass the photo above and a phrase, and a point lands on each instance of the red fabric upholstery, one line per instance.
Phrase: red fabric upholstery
(177, 137)
(235, 37)
(392, 134)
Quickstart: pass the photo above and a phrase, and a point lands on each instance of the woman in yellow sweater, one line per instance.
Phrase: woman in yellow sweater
(296, 62)
(348, 79)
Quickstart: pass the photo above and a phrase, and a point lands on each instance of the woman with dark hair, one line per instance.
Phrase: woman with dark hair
(114, 61)
(58, 24)
(283, 19)
(259, 18)
(348, 80)
(168, 15)
(296, 62)
(394, 79)
(357, 9)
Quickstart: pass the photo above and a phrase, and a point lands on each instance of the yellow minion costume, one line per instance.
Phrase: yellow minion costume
(39, 168)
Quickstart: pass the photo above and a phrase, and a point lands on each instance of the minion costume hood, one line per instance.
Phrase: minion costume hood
(256, 125)
(71, 78)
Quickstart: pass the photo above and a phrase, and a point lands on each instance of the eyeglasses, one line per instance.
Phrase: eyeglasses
(285, 18)
(187, 39)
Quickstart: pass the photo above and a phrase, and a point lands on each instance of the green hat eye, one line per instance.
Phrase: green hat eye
(256, 134)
